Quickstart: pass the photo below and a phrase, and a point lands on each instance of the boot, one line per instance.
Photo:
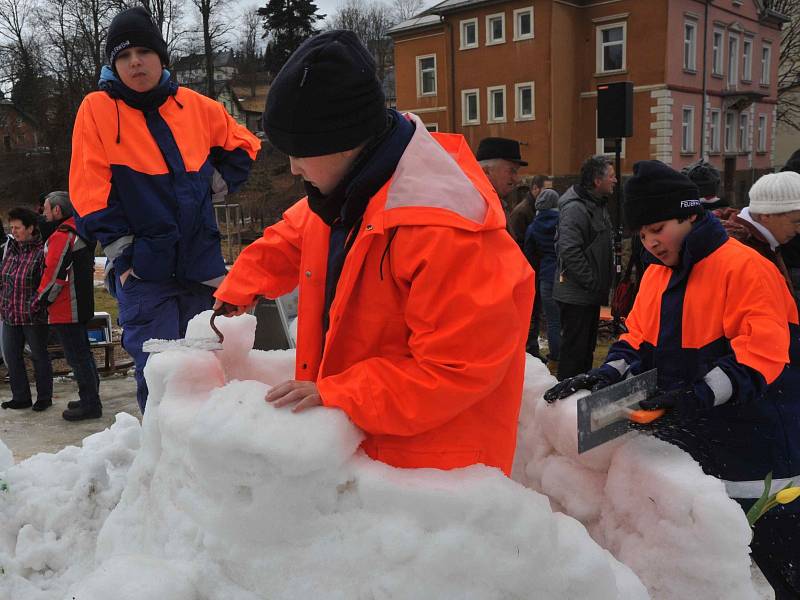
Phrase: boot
(81, 413)
(43, 405)
(17, 404)
(74, 404)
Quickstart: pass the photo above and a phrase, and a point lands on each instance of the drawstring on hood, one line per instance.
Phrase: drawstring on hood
(144, 101)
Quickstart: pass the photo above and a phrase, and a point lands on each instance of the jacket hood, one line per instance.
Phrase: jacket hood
(442, 182)
(546, 200)
(113, 86)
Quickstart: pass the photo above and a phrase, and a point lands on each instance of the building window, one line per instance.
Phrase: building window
(762, 133)
(717, 52)
(730, 132)
(744, 132)
(495, 29)
(716, 117)
(733, 60)
(496, 97)
(766, 58)
(747, 59)
(426, 75)
(469, 34)
(611, 48)
(470, 107)
(432, 127)
(687, 129)
(525, 102)
(523, 23)
(690, 45)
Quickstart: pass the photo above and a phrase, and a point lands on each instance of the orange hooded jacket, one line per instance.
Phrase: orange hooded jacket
(426, 347)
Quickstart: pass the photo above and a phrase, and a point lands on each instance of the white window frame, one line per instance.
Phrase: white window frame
(465, 120)
(733, 59)
(687, 129)
(766, 63)
(462, 25)
(432, 127)
(517, 13)
(690, 45)
(762, 132)
(518, 87)
(744, 132)
(490, 118)
(718, 52)
(730, 131)
(715, 130)
(600, 45)
(747, 59)
(420, 90)
(489, 18)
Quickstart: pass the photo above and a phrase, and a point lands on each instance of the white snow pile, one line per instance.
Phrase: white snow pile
(645, 500)
(230, 498)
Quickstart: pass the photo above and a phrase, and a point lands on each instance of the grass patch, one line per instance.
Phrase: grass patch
(105, 302)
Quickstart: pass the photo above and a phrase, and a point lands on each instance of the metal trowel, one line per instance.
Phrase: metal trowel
(213, 344)
(608, 413)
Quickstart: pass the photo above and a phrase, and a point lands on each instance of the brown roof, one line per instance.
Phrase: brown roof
(248, 101)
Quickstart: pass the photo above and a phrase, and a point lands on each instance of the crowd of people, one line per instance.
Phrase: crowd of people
(416, 279)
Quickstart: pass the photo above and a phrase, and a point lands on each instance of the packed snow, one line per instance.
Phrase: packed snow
(220, 495)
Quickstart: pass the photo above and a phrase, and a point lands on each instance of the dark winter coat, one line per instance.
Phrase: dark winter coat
(540, 244)
(521, 218)
(583, 248)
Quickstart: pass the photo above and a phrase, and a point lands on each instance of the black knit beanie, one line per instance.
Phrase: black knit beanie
(134, 27)
(326, 98)
(656, 193)
(705, 176)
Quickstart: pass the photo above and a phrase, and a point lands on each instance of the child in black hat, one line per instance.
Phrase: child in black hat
(148, 156)
(403, 263)
(715, 318)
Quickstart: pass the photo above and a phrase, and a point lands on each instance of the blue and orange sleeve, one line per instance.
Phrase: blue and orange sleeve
(233, 148)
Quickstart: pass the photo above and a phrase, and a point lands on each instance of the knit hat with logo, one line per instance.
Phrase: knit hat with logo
(656, 192)
(326, 98)
(131, 28)
(775, 193)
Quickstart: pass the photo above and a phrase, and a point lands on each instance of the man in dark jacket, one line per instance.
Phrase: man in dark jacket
(585, 263)
(67, 289)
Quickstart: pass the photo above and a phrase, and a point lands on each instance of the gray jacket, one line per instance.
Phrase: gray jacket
(584, 249)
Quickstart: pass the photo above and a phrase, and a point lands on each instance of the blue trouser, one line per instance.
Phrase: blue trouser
(14, 338)
(553, 319)
(75, 341)
(156, 309)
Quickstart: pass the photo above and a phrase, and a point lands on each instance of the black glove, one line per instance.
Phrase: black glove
(594, 380)
(684, 402)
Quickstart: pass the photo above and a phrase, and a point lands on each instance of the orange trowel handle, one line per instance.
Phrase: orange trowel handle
(645, 416)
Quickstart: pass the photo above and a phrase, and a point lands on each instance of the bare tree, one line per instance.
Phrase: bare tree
(789, 64)
(214, 29)
(369, 19)
(405, 9)
(249, 58)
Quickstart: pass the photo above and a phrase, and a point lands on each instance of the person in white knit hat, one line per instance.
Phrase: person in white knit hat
(773, 217)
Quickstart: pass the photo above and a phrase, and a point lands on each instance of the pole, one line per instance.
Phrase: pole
(705, 84)
(617, 224)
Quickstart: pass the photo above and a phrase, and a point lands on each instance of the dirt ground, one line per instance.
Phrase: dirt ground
(27, 432)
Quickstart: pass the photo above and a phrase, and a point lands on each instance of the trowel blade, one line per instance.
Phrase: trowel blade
(604, 415)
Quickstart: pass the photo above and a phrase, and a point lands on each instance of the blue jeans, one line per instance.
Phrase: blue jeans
(156, 309)
(75, 342)
(14, 338)
(553, 319)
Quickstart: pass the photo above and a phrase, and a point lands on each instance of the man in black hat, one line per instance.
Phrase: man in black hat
(500, 159)
(414, 300)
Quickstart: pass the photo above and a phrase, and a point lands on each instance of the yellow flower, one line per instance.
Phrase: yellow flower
(788, 495)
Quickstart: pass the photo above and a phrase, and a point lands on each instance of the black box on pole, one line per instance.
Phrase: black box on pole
(615, 110)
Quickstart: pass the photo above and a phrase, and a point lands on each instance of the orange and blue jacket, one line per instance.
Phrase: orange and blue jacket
(425, 350)
(141, 179)
(723, 316)
(67, 286)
